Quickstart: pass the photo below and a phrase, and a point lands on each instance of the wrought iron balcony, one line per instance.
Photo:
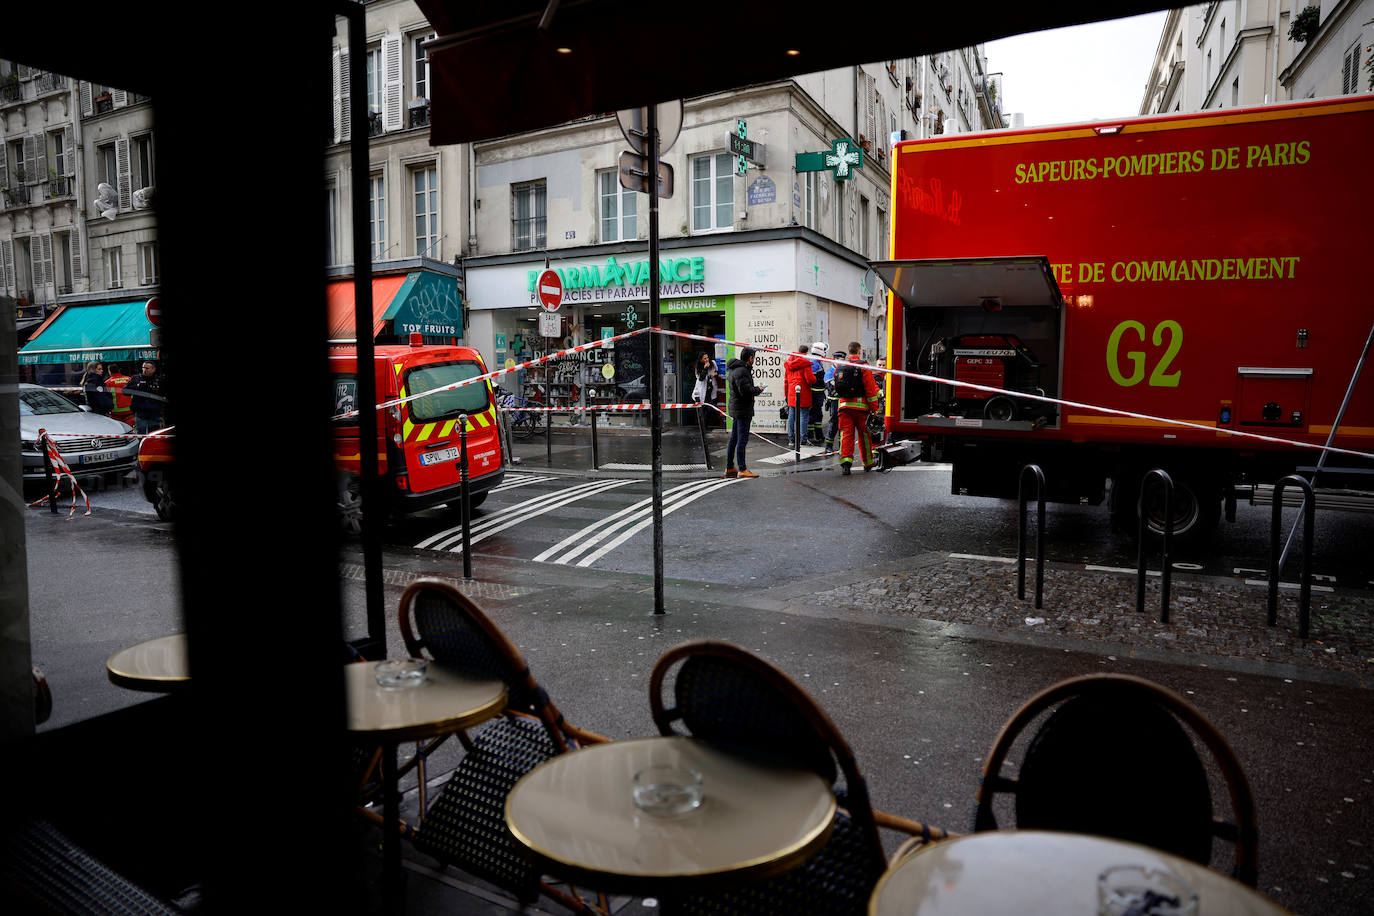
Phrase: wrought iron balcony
(17, 196)
(59, 186)
(11, 92)
(50, 82)
(419, 114)
(374, 124)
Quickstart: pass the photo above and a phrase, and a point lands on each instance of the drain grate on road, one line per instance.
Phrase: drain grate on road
(495, 591)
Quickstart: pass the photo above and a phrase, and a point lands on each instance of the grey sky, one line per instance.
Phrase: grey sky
(1080, 73)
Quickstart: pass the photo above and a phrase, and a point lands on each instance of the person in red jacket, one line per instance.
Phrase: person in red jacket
(857, 394)
(797, 371)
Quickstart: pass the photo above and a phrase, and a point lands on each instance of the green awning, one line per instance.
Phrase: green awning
(113, 332)
(427, 303)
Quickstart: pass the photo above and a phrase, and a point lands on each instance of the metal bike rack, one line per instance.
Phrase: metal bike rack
(465, 494)
(1309, 517)
(1039, 536)
(1165, 577)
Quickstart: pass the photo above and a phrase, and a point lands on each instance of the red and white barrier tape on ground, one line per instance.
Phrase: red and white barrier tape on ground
(1036, 397)
(60, 468)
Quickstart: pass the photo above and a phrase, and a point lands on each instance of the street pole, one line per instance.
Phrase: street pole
(655, 359)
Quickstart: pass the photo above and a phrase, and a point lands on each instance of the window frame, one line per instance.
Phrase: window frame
(714, 182)
(114, 268)
(536, 223)
(376, 214)
(147, 251)
(426, 241)
(626, 204)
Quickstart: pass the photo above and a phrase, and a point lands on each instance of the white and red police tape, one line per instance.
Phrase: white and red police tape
(60, 469)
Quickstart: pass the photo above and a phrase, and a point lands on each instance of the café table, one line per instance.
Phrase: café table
(998, 872)
(576, 815)
(441, 704)
(156, 666)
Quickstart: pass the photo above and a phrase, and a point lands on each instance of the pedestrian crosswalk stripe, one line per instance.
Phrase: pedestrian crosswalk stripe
(638, 515)
(451, 539)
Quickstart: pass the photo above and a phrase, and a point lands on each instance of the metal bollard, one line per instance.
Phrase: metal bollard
(465, 495)
(1165, 577)
(1309, 517)
(1039, 536)
(701, 427)
(595, 459)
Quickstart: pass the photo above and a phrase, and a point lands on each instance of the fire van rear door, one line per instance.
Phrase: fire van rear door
(950, 298)
(430, 431)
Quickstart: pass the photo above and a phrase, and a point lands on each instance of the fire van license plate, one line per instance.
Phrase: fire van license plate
(439, 457)
(99, 457)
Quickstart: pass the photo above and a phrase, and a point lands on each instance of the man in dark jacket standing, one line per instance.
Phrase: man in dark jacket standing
(742, 391)
(145, 397)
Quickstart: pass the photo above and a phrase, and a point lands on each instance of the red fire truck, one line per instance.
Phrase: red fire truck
(1208, 268)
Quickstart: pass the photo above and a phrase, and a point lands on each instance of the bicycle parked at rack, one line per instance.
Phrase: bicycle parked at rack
(522, 423)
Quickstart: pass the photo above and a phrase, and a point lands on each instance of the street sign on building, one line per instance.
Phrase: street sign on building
(550, 290)
(843, 159)
(550, 324)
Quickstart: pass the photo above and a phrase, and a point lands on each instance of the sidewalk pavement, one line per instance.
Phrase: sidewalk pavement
(920, 661)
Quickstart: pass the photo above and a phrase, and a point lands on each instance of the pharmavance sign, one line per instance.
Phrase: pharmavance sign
(628, 280)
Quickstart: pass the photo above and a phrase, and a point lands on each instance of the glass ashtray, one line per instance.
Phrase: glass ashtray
(667, 789)
(1137, 890)
(400, 673)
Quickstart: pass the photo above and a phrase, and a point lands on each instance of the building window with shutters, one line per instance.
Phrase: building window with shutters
(376, 216)
(1350, 70)
(108, 164)
(713, 192)
(331, 197)
(114, 277)
(142, 160)
(617, 207)
(529, 216)
(147, 264)
(425, 197)
(63, 271)
(375, 75)
(417, 112)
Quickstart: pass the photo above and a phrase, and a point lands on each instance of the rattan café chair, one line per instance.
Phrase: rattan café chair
(466, 825)
(730, 697)
(1115, 759)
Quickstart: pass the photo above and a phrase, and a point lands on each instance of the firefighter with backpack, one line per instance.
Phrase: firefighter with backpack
(856, 393)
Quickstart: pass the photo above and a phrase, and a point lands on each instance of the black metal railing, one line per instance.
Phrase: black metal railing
(104, 103)
(11, 92)
(50, 82)
(61, 186)
(419, 115)
(17, 197)
(374, 124)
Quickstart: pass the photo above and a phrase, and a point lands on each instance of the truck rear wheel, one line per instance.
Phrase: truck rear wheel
(351, 506)
(1196, 507)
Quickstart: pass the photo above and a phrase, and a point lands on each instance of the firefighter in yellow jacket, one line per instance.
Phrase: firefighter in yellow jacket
(857, 394)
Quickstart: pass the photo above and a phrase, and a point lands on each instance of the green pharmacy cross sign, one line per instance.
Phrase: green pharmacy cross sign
(843, 159)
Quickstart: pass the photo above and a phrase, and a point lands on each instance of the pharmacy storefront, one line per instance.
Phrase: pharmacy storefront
(775, 292)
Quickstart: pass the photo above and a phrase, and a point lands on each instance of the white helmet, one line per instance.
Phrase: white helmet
(820, 348)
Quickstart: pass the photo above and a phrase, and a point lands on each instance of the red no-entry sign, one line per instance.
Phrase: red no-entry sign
(550, 290)
(153, 309)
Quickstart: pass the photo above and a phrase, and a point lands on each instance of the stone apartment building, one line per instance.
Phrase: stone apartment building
(1240, 53)
(65, 240)
(763, 254)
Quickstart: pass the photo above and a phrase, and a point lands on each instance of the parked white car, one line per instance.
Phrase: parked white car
(91, 444)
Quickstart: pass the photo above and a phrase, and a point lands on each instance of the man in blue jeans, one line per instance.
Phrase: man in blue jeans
(742, 391)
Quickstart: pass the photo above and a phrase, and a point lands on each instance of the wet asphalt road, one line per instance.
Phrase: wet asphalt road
(919, 702)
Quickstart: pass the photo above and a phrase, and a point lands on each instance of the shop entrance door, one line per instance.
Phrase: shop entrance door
(684, 353)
